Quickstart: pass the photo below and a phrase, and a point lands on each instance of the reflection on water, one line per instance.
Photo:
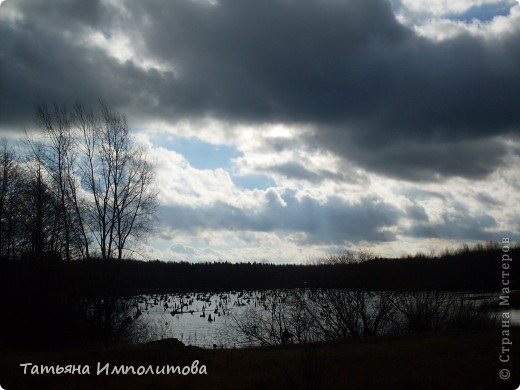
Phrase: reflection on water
(201, 319)
(207, 319)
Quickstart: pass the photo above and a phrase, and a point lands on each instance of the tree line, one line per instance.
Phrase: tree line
(475, 270)
(80, 188)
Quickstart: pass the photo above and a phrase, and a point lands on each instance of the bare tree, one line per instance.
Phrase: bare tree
(102, 180)
(58, 156)
(440, 310)
(346, 257)
(118, 179)
(30, 221)
(9, 181)
(375, 308)
(265, 326)
(41, 211)
(348, 313)
(136, 204)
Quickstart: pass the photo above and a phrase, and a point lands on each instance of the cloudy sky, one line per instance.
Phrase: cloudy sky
(286, 130)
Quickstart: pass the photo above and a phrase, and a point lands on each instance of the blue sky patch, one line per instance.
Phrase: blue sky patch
(254, 181)
(200, 154)
(485, 12)
(203, 155)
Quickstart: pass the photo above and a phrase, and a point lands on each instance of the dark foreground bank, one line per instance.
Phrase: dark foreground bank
(469, 360)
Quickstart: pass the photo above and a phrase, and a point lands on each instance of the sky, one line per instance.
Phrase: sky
(288, 130)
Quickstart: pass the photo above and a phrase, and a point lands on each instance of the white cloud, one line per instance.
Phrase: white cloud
(437, 19)
(228, 219)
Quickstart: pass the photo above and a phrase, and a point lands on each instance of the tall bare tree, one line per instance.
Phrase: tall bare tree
(9, 179)
(58, 156)
(118, 178)
(30, 222)
(102, 180)
(42, 229)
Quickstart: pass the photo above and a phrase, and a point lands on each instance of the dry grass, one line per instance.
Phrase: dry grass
(466, 360)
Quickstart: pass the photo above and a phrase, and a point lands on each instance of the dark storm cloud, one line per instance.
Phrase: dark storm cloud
(461, 226)
(40, 65)
(332, 222)
(376, 93)
(422, 159)
(65, 14)
(283, 61)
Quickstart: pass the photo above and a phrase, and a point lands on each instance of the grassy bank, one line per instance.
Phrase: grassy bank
(467, 360)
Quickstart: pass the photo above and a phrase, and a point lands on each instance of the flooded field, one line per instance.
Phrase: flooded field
(212, 319)
(201, 319)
